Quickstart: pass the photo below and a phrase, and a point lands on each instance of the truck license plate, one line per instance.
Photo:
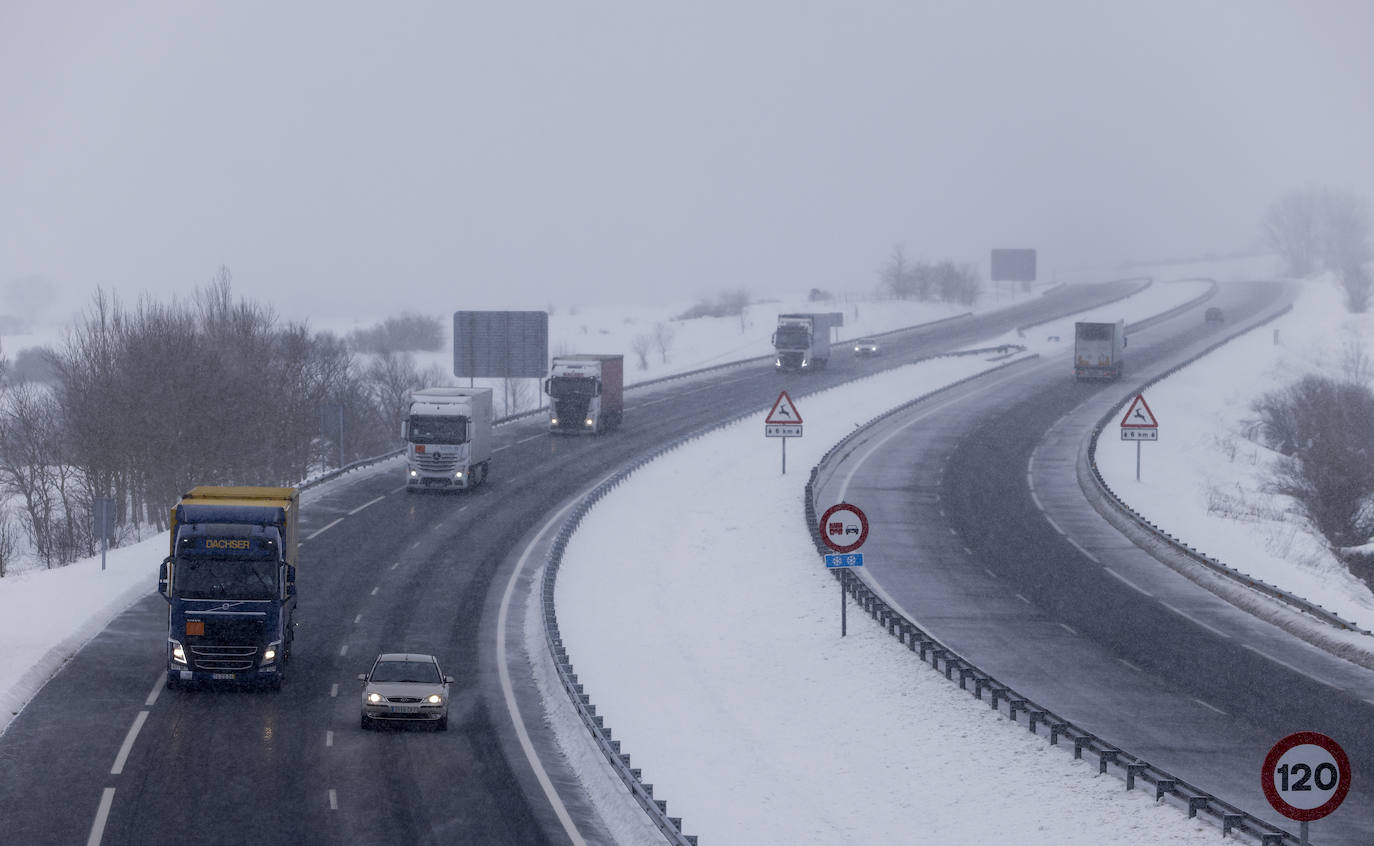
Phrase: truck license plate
(222, 676)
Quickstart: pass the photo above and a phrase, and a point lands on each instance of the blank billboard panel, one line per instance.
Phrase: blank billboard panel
(1013, 266)
(498, 344)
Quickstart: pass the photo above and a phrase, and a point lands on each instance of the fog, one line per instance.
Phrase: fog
(349, 159)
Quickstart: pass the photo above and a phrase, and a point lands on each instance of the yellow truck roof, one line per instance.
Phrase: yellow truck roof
(238, 495)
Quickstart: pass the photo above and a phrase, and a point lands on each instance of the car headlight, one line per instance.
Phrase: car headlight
(435, 699)
(553, 421)
(414, 473)
(178, 654)
(374, 697)
(458, 475)
(588, 421)
(270, 654)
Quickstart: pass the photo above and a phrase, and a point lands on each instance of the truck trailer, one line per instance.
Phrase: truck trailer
(448, 438)
(1097, 350)
(230, 582)
(801, 342)
(586, 393)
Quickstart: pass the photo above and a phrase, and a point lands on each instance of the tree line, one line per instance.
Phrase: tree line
(147, 401)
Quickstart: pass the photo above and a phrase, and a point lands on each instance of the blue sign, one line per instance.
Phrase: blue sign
(851, 559)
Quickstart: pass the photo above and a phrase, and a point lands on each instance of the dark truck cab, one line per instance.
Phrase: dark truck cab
(230, 584)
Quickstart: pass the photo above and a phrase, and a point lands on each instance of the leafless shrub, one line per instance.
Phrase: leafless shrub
(1358, 287)
(641, 346)
(1318, 227)
(663, 340)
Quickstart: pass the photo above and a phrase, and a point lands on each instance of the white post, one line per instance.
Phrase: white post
(1137, 461)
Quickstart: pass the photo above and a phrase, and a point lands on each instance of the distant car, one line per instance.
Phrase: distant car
(404, 686)
(1214, 315)
(866, 346)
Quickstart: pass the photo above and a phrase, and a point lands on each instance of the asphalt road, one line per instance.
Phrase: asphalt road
(982, 535)
(104, 754)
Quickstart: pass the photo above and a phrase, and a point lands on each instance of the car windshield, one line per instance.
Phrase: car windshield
(868, 342)
(406, 671)
(226, 578)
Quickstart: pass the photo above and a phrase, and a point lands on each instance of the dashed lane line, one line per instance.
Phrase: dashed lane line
(343, 650)
(366, 504)
(333, 800)
(1210, 707)
(321, 531)
(101, 815)
(329, 738)
(1066, 627)
(127, 746)
(333, 690)
(1127, 582)
(375, 589)
(1218, 632)
(157, 690)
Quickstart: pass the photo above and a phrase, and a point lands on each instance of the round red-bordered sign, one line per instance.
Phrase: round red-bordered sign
(1305, 776)
(841, 521)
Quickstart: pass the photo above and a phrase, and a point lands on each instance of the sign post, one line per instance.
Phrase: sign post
(104, 523)
(844, 528)
(1305, 776)
(783, 421)
(1138, 425)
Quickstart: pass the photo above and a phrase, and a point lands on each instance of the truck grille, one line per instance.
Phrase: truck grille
(222, 659)
(435, 463)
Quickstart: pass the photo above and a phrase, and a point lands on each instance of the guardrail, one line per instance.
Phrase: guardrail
(1006, 700)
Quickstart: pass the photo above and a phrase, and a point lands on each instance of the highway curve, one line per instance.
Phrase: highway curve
(104, 752)
(1002, 558)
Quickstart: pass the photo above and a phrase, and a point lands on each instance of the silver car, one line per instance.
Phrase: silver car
(405, 686)
(866, 346)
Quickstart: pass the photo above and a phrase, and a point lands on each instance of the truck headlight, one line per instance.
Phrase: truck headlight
(777, 362)
(458, 475)
(589, 421)
(553, 421)
(270, 654)
(178, 654)
(413, 474)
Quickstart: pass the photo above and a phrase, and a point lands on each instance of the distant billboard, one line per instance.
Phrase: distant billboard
(1013, 266)
(836, 318)
(498, 344)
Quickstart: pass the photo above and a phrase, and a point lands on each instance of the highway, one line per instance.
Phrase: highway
(982, 535)
(105, 754)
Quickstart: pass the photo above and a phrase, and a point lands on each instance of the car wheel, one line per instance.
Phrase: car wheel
(442, 725)
(365, 723)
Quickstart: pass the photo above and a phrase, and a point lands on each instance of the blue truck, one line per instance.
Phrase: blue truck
(230, 582)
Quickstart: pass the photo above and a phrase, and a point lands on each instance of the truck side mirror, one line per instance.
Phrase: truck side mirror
(1124, 339)
(289, 573)
(405, 430)
(546, 386)
(164, 578)
(598, 387)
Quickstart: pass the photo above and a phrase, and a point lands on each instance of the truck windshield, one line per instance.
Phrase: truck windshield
(226, 578)
(792, 337)
(438, 430)
(572, 386)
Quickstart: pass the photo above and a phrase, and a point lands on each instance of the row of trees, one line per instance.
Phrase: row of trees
(150, 400)
(1322, 228)
(945, 281)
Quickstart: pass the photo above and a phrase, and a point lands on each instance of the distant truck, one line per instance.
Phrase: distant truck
(1097, 350)
(802, 342)
(586, 393)
(448, 438)
(230, 582)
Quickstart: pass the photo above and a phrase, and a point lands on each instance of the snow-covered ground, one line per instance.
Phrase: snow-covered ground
(828, 740)
(709, 642)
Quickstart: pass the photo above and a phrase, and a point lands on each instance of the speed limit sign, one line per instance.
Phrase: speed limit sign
(1306, 776)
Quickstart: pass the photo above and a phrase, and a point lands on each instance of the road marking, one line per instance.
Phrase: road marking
(1210, 707)
(366, 504)
(951, 531)
(401, 488)
(1067, 628)
(333, 690)
(503, 667)
(1284, 663)
(101, 815)
(329, 738)
(343, 650)
(157, 689)
(1127, 582)
(375, 589)
(325, 529)
(1215, 631)
(128, 744)
(1023, 599)
(464, 508)
(413, 545)
(333, 800)
(1050, 520)
(989, 572)
(1129, 664)
(968, 551)
(358, 619)
(395, 565)
(1086, 554)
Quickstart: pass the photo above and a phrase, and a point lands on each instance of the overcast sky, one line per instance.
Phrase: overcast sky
(349, 159)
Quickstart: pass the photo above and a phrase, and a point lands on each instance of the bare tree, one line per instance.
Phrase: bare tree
(1318, 227)
(897, 275)
(663, 340)
(641, 346)
(1358, 287)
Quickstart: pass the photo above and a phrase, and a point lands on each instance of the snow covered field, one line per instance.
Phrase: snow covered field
(763, 670)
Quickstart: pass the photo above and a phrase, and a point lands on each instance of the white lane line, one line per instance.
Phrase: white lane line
(101, 815)
(521, 441)
(508, 691)
(128, 745)
(1210, 707)
(325, 529)
(329, 738)
(952, 532)
(333, 690)
(1067, 628)
(968, 551)
(1023, 599)
(333, 800)
(358, 619)
(464, 508)
(413, 545)
(989, 572)
(401, 488)
(1127, 582)
(366, 504)
(375, 589)
(395, 565)
(1213, 630)
(1283, 663)
(343, 650)
(1129, 664)
(1050, 520)
(157, 690)
(1086, 554)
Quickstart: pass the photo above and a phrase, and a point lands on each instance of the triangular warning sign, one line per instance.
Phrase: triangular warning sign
(783, 411)
(1139, 415)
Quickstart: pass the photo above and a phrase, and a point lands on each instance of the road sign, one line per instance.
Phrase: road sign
(1139, 434)
(784, 411)
(844, 528)
(782, 430)
(1139, 415)
(853, 559)
(1305, 776)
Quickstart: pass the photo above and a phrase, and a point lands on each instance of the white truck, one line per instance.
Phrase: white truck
(1098, 349)
(802, 342)
(586, 393)
(448, 438)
